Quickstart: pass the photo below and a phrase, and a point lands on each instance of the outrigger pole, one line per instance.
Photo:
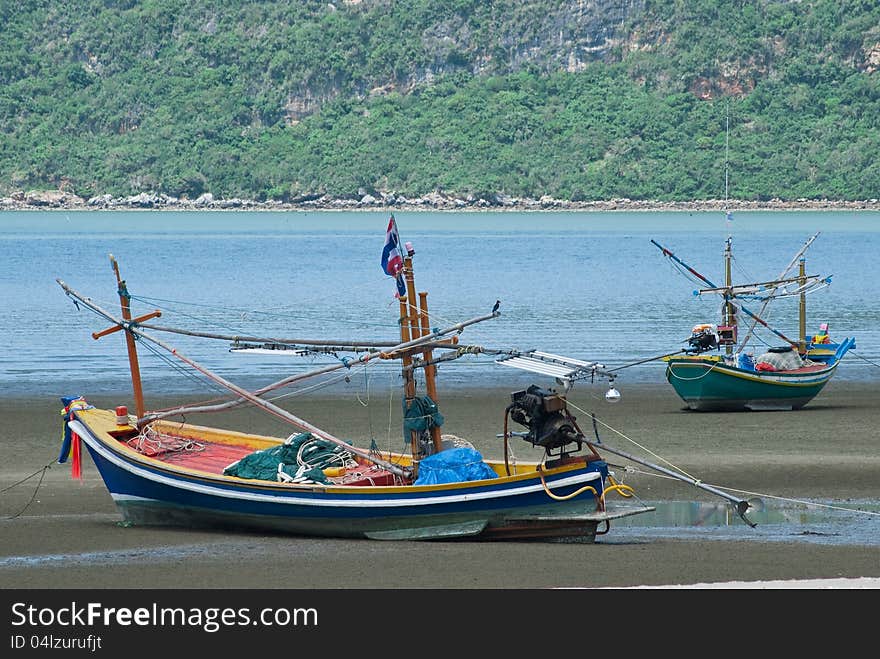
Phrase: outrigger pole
(756, 318)
(741, 506)
(325, 344)
(129, 325)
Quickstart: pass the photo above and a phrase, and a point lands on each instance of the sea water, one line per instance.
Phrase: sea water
(586, 285)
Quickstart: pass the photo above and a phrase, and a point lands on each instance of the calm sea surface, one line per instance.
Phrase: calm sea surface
(585, 285)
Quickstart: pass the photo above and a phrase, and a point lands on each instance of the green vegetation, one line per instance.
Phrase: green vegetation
(272, 100)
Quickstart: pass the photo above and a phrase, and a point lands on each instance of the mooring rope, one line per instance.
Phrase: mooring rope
(865, 359)
(42, 472)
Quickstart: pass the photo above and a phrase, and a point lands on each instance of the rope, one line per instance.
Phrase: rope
(412, 307)
(556, 497)
(391, 390)
(196, 377)
(333, 379)
(164, 304)
(42, 472)
(623, 490)
(325, 457)
(151, 443)
(865, 359)
(699, 377)
(649, 359)
(634, 442)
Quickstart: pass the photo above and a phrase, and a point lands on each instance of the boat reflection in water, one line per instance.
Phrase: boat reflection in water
(851, 523)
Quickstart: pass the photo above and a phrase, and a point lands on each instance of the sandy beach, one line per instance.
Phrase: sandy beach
(63, 533)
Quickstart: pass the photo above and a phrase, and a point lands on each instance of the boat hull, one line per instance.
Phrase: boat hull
(707, 384)
(147, 491)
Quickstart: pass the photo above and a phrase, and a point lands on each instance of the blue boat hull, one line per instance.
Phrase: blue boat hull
(152, 492)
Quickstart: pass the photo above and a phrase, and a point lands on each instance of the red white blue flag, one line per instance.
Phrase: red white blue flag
(392, 257)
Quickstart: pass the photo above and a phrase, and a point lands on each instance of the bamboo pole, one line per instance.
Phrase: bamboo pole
(329, 344)
(397, 351)
(430, 368)
(409, 379)
(116, 328)
(729, 316)
(740, 505)
(125, 303)
(802, 325)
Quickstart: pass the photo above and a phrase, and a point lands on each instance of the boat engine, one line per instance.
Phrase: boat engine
(545, 413)
(702, 338)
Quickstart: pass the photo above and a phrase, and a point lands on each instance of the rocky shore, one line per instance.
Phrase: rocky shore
(64, 200)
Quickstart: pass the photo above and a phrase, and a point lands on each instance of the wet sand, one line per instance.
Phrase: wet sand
(61, 533)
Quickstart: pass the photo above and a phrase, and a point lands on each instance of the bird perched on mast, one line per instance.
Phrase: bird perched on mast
(497, 304)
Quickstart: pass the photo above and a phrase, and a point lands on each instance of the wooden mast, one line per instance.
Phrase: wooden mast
(409, 382)
(414, 320)
(430, 368)
(729, 315)
(802, 337)
(125, 302)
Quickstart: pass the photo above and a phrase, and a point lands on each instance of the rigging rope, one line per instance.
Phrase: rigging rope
(634, 442)
(864, 358)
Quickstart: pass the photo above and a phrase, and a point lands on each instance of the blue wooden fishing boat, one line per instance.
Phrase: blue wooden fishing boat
(740, 375)
(160, 468)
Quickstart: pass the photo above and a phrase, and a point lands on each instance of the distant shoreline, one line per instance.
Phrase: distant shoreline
(42, 200)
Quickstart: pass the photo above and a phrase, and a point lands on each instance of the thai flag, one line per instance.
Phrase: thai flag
(392, 257)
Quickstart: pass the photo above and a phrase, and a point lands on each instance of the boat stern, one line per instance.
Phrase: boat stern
(830, 353)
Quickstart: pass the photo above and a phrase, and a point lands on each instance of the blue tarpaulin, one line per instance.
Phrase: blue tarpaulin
(453, 465)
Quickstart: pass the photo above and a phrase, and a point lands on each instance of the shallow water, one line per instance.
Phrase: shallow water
(827, 523)
(583, 285)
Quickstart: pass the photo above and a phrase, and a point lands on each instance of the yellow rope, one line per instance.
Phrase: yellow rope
(623, 490)
(556, 497)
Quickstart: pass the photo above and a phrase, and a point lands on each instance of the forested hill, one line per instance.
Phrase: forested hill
(579, 99)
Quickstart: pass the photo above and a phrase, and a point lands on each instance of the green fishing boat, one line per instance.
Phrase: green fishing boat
(739, 376)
